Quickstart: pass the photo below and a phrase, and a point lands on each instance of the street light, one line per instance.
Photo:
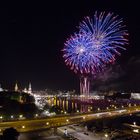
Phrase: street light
(106, 135)
(47, 123)
(77, 111)
(12, 116)
(20, 116)
(134, 123)
(23, 126)
(88, 110)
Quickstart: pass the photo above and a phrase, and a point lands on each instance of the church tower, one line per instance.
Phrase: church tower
(16, 87)
(30, 89)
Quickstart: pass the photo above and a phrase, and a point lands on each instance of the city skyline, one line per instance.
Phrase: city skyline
(32, 40)
(70, 70)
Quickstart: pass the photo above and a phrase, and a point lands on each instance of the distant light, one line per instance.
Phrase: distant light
(12, 116)
(77, 111)
(122, 106)
(65, 112)
(82, 95)
(36, 115)
(84, 118)
(20, 116)
(134, 123)
(136, 130)
(107, 108)
(1, 117)
(67, 120)
(106, 135)
(98, 109)
(47, 123)
(23, 126)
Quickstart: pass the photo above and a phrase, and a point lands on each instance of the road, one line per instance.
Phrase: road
(54, 122)
(40, 135)
(81, 133)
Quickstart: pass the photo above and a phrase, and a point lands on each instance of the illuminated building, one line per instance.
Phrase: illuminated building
(30, 89)
(1, 89)
(16, 87)
(135, 95)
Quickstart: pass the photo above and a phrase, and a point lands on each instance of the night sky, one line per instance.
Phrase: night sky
(32, 36)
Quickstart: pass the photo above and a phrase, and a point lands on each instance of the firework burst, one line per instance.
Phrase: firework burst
(98, 42)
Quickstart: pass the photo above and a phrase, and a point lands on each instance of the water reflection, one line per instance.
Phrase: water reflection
(73, 104)
(70, 104)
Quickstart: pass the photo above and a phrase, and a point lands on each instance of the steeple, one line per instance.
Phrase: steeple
(30, 88)
(16, 87)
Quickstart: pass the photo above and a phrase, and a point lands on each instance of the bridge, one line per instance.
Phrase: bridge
(63, 120)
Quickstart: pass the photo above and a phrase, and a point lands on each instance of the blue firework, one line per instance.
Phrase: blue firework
(98, 42)
(107, 32)
(80, 54)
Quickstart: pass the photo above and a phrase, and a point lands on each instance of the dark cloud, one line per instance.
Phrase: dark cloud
(124, 77)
